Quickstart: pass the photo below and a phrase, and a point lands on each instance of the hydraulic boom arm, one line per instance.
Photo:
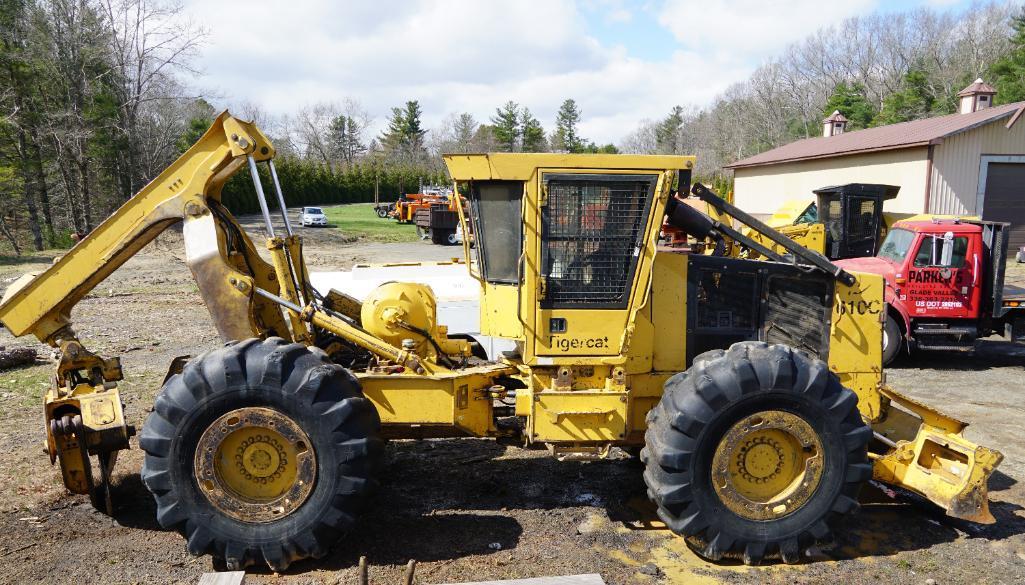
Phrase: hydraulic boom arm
(189, 189)
(82, 408)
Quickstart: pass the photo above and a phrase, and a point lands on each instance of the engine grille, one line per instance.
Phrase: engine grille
(797, 313)
(592, 231)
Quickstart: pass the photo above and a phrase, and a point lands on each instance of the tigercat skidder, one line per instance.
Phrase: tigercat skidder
(752, 389)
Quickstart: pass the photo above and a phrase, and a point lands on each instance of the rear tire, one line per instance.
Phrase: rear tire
(382, 212)
(422, 233)
(441, 237)
(322, 402)
(893, 340)
(689, 430)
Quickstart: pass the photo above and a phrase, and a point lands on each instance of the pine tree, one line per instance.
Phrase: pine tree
(506, 122)
(404, 137)
(200, 118)
(917, 100)
(393, 136)
(414, 131)
(1008, 73)
(850, 100)
(533, 133)
(344, 138)
(565, 136)
(464, 129)
(667, 133)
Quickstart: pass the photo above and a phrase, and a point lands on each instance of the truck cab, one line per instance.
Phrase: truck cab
(945, 285)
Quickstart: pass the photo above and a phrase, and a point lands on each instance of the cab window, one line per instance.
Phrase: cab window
(498, 223)
(896, 245)
(930, 252)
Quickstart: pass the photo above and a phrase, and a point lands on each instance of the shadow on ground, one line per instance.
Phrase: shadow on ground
(447, 499)
(989, 353)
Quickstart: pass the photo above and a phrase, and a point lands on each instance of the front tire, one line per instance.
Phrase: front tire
(261, 452)
(753, 452)
(893, 340)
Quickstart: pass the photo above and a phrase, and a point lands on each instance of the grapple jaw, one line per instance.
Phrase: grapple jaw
(926, 453)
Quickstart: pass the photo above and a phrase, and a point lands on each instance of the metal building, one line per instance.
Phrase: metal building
(968, 163)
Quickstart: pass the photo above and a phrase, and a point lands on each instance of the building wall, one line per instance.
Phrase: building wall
(763, 189)
(955, 172)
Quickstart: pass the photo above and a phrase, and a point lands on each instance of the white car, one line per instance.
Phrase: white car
(309, 216)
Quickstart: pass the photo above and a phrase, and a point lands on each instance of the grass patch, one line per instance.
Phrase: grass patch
(11, 265)
(22, 388)
(360, 221)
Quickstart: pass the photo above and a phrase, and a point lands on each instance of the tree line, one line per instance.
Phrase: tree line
(93, 104)
(878, 69)
(90, 109)
(327, 155)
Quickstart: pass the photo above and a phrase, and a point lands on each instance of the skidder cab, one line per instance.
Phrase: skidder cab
(752, 389)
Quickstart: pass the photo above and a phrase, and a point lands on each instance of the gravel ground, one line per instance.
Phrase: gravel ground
(470, 509)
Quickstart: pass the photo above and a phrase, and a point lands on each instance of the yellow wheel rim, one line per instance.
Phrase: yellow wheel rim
(255, 464)
(767, 465)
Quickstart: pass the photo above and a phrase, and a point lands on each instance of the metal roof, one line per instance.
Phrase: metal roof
(836, 117)
(979, 87)
(892, 137)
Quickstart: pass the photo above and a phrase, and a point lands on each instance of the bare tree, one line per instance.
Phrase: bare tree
(783, 99)
(151, 40)
(310, 131)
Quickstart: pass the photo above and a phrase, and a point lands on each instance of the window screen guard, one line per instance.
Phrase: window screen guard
(592, 230)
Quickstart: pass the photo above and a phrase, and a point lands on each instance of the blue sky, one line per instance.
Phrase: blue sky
(622, 61)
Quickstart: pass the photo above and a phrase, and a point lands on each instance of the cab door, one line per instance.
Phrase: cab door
(943, 280)
(595, 248)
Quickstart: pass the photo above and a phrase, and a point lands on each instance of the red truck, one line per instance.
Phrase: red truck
(945, 285)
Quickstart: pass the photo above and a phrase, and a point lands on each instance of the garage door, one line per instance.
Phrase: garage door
(1005, 198)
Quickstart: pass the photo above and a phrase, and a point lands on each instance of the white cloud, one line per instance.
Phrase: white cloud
(619, 15)
(468, 55)
(752, 29)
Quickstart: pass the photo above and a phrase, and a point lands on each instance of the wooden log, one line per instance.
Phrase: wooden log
(226, 578)
(16, 356)
(410, 571)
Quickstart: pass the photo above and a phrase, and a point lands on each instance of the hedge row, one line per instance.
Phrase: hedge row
(308, 183)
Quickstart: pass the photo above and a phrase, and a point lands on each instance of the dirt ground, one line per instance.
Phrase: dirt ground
(468, 509)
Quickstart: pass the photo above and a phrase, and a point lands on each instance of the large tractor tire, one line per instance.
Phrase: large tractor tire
(261, 452)
(753, 452)
(893, 340)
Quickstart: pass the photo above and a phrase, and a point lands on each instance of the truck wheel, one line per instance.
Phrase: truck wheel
(382, 212)
(260, 452)
(451, 240)
(893, 340)
(442, 237)
(753, 452)
(422, 233)
(1020, 256)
